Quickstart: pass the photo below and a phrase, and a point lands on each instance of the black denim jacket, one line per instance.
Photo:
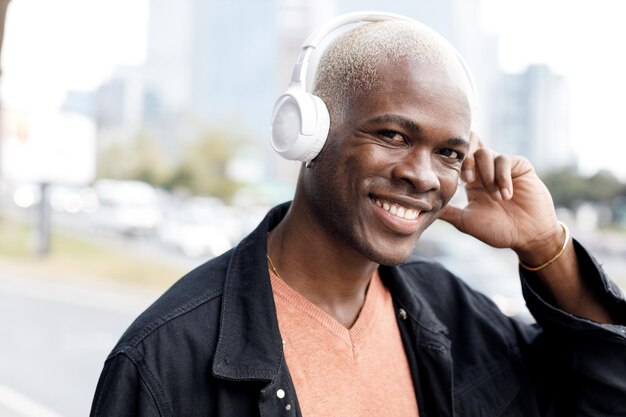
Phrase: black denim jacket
(210, 346)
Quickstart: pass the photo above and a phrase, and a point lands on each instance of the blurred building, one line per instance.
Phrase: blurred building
(120, 104)
(532, 118)
(214, 61)
(116, 106)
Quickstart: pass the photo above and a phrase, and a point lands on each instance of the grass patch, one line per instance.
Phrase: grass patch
(76, 258)
(14, 240)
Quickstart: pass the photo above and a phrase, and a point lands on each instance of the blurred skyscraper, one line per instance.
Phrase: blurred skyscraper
(116, 106)
(212, 60)
(531, 118)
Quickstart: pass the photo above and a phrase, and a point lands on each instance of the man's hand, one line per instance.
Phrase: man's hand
(508, 205)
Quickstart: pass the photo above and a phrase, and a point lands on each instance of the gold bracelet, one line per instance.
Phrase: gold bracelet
(557, 256)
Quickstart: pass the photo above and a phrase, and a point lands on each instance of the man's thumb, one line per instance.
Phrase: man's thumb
(452, 215)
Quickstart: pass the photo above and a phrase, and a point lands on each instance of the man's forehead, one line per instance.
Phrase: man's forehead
(444, 76)
(403, 83)
(428, 89)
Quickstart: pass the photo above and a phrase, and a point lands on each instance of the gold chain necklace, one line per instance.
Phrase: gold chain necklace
(273, 267)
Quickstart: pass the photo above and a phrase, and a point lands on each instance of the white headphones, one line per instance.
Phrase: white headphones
(300, 120)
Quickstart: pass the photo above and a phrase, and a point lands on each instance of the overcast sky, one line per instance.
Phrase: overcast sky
(583, 40)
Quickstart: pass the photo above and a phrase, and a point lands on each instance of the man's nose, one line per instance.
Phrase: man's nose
(418, 169)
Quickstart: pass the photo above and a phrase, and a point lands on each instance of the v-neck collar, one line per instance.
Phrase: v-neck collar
(355, 335)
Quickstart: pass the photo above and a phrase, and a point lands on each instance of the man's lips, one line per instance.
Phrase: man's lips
(401, 217)
(398, 210)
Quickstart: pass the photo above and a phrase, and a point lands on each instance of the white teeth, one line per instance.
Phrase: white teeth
(399, 211)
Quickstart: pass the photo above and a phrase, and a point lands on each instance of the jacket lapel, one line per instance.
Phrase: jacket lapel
(249, 345)
(427, 347)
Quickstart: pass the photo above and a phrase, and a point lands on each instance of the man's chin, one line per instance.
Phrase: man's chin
(393, 261)
(393, 256)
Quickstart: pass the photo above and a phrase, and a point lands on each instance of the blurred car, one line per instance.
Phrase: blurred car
(127, 207)
(62, 198)
(201, 227)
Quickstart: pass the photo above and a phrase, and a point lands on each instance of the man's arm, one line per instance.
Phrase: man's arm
(563, 280)
(510, 207)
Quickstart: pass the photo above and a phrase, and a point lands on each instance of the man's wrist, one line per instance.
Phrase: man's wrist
(544, 251)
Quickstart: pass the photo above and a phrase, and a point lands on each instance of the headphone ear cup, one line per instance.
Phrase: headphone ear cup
(300, 124)
(322, 127)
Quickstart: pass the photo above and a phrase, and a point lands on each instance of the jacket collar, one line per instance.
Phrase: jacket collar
(403, 284)
(249, 346)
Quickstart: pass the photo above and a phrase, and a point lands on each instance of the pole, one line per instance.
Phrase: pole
(4, 4)
(42, 238)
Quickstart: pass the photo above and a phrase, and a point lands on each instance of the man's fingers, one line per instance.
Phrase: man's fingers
(491, 169)
(494, 172)
(485, 168)
(468, 170)
(503, 180)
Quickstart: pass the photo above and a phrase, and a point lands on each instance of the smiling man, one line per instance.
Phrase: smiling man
(317, 312)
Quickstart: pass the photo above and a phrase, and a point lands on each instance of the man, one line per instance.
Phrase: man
(315, 314)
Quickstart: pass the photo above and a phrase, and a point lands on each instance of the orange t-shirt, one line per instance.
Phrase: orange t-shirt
(356, 372)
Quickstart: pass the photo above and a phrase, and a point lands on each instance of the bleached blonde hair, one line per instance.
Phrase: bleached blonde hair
(350, 64)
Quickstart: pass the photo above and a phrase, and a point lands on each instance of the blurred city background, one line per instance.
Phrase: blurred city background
(134, 146)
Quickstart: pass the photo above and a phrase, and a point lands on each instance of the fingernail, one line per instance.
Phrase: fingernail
(496, 195)
(506, 194)
(469, 175)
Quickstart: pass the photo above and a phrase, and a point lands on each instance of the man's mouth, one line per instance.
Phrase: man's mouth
(398, 210)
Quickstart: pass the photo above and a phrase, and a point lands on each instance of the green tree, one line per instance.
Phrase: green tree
(201, 169)
(203, 166)
(140, 159)
(603, 187)
(566, 186)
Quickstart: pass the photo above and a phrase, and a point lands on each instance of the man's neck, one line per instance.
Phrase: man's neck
(323, 270)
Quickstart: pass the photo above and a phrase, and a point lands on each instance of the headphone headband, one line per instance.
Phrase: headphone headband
(300, 120)
(312, 42)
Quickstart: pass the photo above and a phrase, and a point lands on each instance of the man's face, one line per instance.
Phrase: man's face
(392, 163)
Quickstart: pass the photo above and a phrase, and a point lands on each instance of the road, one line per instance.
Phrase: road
(55, 336)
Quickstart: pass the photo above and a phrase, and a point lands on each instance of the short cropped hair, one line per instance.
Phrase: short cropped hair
(349, 65)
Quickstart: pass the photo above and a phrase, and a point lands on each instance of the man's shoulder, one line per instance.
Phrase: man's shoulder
(420, 271)
(441, 289)
(191, 303)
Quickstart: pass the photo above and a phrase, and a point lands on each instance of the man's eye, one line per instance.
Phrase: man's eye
(452, 154)
(391, 135)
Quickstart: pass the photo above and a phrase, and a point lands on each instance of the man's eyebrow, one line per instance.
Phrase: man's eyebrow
(409, 124)
(406, 123)
(458, 142)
